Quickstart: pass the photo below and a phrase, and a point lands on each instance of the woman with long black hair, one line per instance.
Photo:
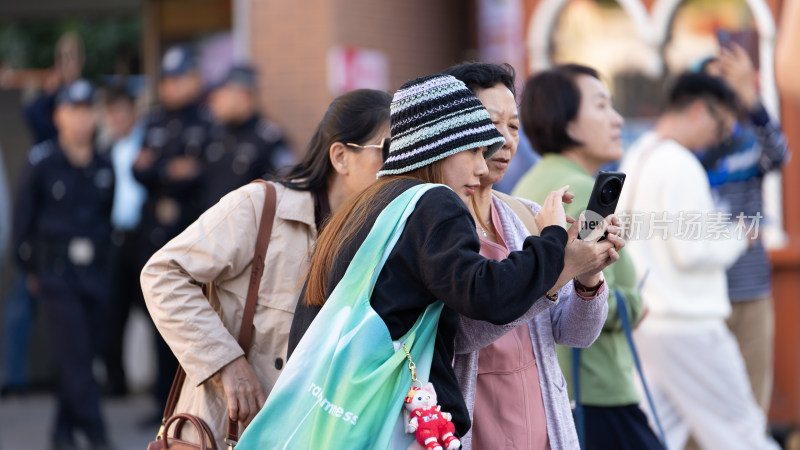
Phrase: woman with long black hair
(341, 160)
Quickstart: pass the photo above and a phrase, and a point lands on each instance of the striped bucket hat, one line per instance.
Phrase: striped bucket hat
(434, 117)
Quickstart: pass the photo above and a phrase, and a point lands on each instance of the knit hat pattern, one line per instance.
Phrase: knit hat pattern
(433, 117)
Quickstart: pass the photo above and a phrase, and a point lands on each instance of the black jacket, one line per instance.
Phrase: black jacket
(238, 154)
(57, 202)
(172, 205)
(437, 257)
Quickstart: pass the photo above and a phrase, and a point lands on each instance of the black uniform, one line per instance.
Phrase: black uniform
(239, 154)
(171, 205)
(62, 229)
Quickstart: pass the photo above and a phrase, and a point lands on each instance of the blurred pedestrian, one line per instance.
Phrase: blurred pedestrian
(736, 170)
(126, 133)
(516, 366)
(19, 306)
(170, 166)
(570, 118)
(342, 159)
(62, 228)
(15, 340)
(243, 145)
(696, 372)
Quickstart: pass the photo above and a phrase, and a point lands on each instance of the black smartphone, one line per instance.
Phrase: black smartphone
(603, 201)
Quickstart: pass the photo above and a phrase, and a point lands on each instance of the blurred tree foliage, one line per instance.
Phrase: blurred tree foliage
(113, 45)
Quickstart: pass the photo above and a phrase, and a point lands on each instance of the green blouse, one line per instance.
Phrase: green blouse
(607, 366)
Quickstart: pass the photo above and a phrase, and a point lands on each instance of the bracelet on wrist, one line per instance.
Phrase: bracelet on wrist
(580, 287)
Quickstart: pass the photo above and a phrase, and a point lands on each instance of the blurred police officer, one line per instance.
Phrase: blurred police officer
(18, 308)
(243, 145)
(62, 228)
(126, 133)
(169, 165)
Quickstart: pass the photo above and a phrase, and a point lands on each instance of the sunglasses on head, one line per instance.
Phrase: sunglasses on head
(383, 146)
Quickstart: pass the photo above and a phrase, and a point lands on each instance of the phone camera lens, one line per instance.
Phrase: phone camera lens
(610, 191)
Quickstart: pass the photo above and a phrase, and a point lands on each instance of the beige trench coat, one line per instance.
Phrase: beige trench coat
(218, 248)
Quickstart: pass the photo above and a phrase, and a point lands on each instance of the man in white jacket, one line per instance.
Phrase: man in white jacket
(691, 360)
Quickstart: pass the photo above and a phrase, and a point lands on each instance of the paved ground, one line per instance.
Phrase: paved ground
(25, 422)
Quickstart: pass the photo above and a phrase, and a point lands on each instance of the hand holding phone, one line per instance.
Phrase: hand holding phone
(603, 201)
(748, 40)
(724, 39)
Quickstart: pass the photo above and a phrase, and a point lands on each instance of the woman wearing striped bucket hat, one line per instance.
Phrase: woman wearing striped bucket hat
(441, 134)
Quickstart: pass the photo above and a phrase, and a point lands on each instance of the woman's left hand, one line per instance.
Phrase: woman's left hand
(243, 390)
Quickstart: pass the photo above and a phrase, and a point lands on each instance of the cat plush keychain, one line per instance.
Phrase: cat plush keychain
(424, 417)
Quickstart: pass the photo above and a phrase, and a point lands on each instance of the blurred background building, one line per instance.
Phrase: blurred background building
(308, 52)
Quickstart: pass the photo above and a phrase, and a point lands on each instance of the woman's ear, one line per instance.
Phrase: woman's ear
(337, 154)
(571, 130)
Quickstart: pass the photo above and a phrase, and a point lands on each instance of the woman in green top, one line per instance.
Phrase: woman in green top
(568, 115)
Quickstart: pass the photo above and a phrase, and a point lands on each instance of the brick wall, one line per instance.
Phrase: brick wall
(290, 41)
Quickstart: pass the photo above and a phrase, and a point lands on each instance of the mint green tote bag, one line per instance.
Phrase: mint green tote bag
(345, 383)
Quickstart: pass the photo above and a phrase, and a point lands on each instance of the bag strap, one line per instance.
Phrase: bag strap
(576, 389)
(522, 211)
(622, 312)
(262, 244)
(246, 329)
(256, 271)
(172, 398)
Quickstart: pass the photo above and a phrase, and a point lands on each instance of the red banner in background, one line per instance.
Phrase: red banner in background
(357, 68)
